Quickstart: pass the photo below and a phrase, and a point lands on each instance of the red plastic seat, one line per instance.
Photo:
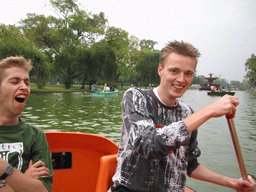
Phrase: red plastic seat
(93, 162)
(86, 150)
(106, 172)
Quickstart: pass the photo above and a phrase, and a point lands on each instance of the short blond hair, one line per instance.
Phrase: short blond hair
(182, 48)
(17, 61)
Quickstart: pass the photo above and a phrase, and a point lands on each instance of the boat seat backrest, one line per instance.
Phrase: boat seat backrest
(77, 160)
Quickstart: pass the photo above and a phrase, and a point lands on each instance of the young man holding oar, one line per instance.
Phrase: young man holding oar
(25, 162)
(158, 146)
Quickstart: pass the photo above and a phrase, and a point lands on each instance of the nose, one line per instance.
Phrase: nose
(24, 86)
(181, 77)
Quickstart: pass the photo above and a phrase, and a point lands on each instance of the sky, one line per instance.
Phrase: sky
(224, 31)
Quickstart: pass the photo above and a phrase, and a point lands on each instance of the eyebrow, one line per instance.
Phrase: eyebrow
(176, 68)
(17, 78)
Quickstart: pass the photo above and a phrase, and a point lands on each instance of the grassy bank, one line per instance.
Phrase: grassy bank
(61, 88)
(56, 89)
(77, 88)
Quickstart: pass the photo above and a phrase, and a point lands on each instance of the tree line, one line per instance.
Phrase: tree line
(78, 46)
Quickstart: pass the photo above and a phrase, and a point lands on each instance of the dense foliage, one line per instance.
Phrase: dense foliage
(250, 67)
(13, 43)
(80, 47)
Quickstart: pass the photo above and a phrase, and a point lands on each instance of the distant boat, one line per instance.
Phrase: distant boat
(222, 93)
(106, 94)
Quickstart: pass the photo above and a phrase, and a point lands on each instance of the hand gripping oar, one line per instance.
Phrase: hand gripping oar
(239, 155)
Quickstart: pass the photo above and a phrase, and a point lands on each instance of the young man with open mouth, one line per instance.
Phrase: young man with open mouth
(25, 162)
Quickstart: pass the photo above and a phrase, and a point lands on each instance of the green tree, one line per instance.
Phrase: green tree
(97, 62)
(106, 60)
(65, 7)
(45, 32)
(66, 63)
(147, 67)
(250, 68)
(118, 40)
(223, 83)
(147, 44)
(134, 55)
(199, 80)
(139, 51)
(13, 43)
(134, 51)
(73, 30)
(237, 85)
(246, 84)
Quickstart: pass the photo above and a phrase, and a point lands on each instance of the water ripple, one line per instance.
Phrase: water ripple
(79, 112)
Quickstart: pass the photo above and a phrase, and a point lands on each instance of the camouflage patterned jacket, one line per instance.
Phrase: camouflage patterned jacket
(156, 150)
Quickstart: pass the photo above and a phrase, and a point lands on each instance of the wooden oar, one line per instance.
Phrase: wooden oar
(239, 155)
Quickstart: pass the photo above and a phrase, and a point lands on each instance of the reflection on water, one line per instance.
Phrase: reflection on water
(215, 142)
(75, 112)
(79, 112)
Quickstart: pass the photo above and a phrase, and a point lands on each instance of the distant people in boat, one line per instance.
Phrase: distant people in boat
(215, 89)
(158, 145)
(94, 87)
(112, 88)
(106, 87)
(25, 161)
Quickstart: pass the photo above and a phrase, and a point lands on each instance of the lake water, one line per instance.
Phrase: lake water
(79, 112)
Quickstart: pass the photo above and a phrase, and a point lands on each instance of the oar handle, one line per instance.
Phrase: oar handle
(239, 155)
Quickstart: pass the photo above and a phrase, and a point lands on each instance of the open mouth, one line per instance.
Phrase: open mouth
(20, 98)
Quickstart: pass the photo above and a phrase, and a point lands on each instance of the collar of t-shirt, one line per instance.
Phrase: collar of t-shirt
(155, 92)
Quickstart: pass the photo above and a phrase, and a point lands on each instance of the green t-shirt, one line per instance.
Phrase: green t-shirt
(22, 142)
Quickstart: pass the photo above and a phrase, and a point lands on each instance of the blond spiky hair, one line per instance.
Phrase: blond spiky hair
(182, 48)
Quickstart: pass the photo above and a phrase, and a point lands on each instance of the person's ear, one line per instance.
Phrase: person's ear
(160, 69)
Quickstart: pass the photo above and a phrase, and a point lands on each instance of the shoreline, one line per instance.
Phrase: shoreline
(61, 89)
(77, 88)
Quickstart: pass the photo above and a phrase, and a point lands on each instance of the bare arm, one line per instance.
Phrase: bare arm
(224, 106)
(20, 182)
(204, 174)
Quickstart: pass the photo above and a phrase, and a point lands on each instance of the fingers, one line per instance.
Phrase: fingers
(30, 163)
(37, 170)
(42, 171)
(229, 103)
(224, 106)
(232, 112)
(40, 168)
(231, 99)
(234, 104)
(38, 164)
(252, 182)
(248, 185)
